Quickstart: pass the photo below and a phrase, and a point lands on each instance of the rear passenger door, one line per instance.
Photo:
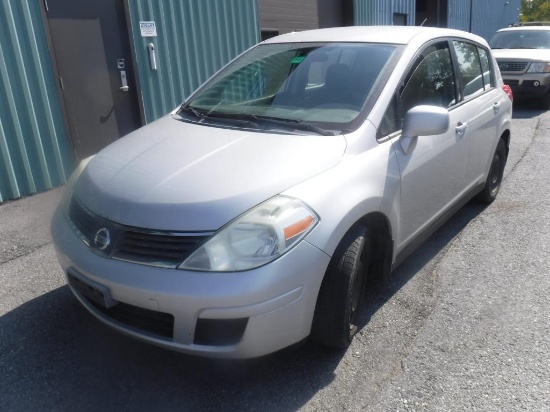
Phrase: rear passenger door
(481, 103)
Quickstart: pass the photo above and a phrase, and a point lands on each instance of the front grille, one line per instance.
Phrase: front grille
(149, 248)
(137, 245)
(158, 324)
(511, 66)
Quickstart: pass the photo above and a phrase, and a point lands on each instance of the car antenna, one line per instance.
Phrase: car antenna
(421, 24)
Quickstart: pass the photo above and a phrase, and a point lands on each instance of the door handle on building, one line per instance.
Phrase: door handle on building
(152, 56)
(124, 81)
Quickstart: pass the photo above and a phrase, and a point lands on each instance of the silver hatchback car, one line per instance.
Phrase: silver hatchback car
(252, 216)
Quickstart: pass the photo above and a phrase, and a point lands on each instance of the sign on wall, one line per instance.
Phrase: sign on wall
(148, 29)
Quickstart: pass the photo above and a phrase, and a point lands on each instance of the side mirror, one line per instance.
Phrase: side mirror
(423, 121)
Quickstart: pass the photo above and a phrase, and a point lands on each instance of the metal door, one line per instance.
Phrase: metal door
(92, 53)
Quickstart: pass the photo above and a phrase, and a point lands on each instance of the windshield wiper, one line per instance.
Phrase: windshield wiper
(256, 120)
(193, 111)
(296, 124)
(242, 117)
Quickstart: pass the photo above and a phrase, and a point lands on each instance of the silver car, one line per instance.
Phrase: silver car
(252, 216)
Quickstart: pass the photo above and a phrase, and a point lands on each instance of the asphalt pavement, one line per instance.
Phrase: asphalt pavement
(463, 325)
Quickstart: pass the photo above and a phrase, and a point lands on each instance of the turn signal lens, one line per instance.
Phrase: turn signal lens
(298, 227)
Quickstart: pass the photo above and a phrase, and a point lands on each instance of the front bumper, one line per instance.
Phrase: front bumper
(275, 303)
(528, 84)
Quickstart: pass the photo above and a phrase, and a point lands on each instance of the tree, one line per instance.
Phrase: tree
(535, 10)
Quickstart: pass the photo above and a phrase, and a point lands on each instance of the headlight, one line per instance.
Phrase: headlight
(539, 68)
(69, 187)
(259, 236)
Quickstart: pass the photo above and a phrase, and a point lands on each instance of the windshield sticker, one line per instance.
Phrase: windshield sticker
(298, 60)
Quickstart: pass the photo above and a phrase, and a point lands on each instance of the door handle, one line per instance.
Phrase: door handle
(496, 107)
(124, 81)
(152, 57)
(461, 128)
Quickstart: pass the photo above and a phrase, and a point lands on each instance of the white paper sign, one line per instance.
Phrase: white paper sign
(148, 29)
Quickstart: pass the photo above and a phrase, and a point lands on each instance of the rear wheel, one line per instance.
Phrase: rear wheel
(342, 291)
(494, 179)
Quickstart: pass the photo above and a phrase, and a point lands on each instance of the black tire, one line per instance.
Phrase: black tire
(342, 291)
(494, 179)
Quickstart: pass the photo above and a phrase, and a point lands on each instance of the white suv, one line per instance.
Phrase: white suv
(523, 56)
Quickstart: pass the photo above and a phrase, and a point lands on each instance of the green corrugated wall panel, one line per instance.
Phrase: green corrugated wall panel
(362, 12)
(194, 39)
(34, 154)
(380, 12)
(486, 16)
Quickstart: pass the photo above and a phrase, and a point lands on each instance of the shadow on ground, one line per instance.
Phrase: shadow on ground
(56, 356)
(527, 109)
(424, 256)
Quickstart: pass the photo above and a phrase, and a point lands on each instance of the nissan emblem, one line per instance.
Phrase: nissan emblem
(102, 239)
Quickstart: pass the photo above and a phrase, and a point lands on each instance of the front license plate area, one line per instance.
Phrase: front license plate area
(95, 292)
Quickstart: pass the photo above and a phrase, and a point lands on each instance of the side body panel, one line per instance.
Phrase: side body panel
(365, 181)
(484, 119)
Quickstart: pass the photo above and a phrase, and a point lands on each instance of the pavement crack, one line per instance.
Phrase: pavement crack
(26, 252)
(531, 140)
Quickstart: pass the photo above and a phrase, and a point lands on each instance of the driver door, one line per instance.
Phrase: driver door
(433, 168)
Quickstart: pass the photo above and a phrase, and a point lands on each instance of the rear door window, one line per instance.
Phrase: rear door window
(488, 78)
(469, 63)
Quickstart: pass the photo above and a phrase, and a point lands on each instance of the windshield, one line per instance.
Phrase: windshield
(321, 85)
(521, 39)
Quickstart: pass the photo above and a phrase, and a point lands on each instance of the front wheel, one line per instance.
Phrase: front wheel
(342, 291)
(494, 179)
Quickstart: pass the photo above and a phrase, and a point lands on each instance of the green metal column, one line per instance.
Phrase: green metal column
(34, 153)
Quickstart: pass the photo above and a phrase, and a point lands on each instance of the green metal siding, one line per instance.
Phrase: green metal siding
(194, 39)
(34, 155)
(363, 12)
(380, 12)
(483, 18)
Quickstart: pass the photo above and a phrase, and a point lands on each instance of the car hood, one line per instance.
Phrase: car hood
(522, 54)
(178, 176)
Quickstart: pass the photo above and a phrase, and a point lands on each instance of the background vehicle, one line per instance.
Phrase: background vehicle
(523, 56)
(253, 216)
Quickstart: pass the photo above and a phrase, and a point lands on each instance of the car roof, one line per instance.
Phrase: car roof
(372, 34)
(525, 28)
